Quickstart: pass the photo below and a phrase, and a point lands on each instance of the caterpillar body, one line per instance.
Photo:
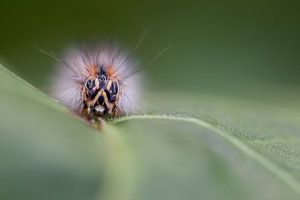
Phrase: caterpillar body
(98, 83)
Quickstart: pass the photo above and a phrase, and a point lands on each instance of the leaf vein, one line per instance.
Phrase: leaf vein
(265, 162)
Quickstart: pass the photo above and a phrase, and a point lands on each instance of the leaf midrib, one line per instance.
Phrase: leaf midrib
(265, 162)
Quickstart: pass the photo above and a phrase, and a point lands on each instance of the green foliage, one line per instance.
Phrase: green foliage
(187, 147)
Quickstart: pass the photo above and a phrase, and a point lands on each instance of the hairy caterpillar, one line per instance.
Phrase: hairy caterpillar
(98, 83)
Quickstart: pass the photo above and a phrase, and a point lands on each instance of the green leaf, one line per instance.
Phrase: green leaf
(187, 146)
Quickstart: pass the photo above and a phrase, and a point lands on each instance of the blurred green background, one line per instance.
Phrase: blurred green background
(248, 49)
(231, 47)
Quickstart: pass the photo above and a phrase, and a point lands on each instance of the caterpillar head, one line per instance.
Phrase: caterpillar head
(98, 82)
(101, 94)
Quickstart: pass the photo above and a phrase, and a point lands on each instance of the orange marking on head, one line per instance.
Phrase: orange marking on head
(111, 72)
(93, 70)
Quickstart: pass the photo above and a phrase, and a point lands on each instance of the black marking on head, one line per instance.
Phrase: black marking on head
(90, 84)
(114, 88)
(110, 96)
(91, 88)
(102, 81)
(102, 78)
(102, 71)
(101, 100)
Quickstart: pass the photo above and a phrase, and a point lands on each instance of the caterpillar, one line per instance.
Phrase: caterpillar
(98, 83)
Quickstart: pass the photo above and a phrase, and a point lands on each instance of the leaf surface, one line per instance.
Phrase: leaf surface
(187, 146)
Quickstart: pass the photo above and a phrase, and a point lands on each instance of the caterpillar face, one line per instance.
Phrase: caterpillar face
(98, 83)
(100, 95)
